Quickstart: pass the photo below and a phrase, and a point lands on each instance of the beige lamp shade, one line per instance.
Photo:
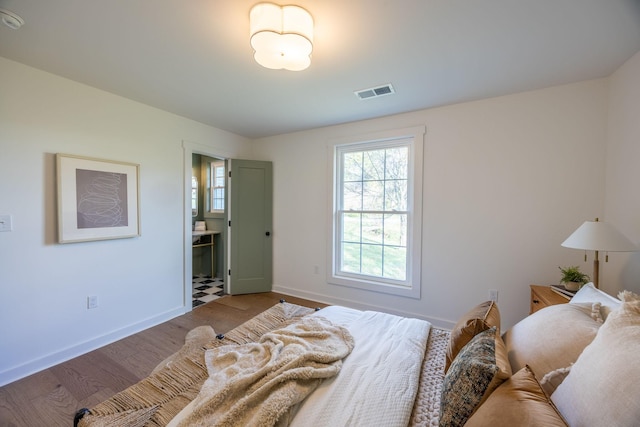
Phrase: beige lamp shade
(599, 236)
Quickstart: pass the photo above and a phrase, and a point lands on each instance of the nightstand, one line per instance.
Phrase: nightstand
(542, 296)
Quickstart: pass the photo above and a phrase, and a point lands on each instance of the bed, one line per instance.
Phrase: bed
(176, 382)
(296, 366)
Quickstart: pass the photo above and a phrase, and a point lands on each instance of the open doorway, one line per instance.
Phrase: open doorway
(195, 207)
(208, 225)
(245, 241)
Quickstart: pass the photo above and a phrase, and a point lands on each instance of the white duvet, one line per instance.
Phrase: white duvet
(378, 382)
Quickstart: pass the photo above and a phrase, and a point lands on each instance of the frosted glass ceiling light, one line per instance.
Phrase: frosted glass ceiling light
(281, 36)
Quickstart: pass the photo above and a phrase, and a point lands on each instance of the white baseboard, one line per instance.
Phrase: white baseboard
(45, 362)
(359, 305)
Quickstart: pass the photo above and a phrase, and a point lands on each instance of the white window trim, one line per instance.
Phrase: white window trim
(414, 240)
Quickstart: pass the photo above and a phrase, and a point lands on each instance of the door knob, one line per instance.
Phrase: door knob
(268, 234)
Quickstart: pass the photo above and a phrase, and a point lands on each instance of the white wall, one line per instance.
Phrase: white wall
(44, 285)
(623, 175)
(506, 181)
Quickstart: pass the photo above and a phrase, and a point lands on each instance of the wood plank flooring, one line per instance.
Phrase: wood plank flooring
(51, 397)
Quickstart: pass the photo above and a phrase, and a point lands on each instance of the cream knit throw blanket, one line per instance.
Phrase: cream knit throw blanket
(254, 384)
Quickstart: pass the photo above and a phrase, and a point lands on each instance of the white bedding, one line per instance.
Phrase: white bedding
(378, 382)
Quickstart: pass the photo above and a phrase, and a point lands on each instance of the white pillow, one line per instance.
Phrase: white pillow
(551, 338)
(589, 293)
(602, 388)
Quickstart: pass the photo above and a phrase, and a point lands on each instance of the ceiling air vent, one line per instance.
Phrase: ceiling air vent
(375, 92)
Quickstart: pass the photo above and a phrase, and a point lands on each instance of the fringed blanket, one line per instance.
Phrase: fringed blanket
(254, 384)
(158, 398)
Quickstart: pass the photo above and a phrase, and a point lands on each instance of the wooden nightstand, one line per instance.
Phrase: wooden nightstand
(542, 296)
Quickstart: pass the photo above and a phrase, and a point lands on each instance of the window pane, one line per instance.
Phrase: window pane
(395, 263)
(373, 196)
(351, 257)
(218, 199)
(396, 163)
(395, 195)
(373, 168)
(352, 167)
(372, 227)
(372, 260)
(351, 226)
(395, 229)
(352, 196)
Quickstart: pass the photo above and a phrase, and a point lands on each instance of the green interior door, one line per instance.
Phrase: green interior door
(250, 222)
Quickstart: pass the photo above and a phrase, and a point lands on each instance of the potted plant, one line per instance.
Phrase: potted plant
(573, 278)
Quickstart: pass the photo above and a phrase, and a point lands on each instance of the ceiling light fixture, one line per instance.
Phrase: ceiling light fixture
(11, 19)
(281, 36)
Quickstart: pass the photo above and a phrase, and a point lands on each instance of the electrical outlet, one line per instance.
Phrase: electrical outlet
(92, 302)
(6, 223)
(493, 295)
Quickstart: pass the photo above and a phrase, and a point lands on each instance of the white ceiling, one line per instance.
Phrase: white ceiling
(192, 57)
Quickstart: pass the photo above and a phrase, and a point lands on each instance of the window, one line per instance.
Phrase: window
(217, 180)
(376, 214)
(194, 196)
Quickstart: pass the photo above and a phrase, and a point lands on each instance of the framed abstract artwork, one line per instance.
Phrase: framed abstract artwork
(97, 199)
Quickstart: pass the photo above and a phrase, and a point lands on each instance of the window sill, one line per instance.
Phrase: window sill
(383, 288)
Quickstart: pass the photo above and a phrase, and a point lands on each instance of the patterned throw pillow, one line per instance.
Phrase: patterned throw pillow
(480, 367)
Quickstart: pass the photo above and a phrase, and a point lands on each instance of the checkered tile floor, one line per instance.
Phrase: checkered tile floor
(206, 289)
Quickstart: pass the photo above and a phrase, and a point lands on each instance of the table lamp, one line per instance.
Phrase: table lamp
(598, 236)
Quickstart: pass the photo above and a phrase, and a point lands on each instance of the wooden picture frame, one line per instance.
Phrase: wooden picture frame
(97, 199)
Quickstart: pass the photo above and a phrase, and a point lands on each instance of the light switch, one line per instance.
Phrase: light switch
(5, 223)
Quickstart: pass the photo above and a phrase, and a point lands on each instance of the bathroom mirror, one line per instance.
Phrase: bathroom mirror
(194, 196)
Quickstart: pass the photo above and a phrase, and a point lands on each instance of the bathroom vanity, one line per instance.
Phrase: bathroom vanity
(205, 238)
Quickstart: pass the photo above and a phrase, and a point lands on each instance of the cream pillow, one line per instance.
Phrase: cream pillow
(603, 387)
(551, 338)
(589, 294)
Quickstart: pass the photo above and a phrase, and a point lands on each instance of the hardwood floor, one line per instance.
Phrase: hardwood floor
(51, 397)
